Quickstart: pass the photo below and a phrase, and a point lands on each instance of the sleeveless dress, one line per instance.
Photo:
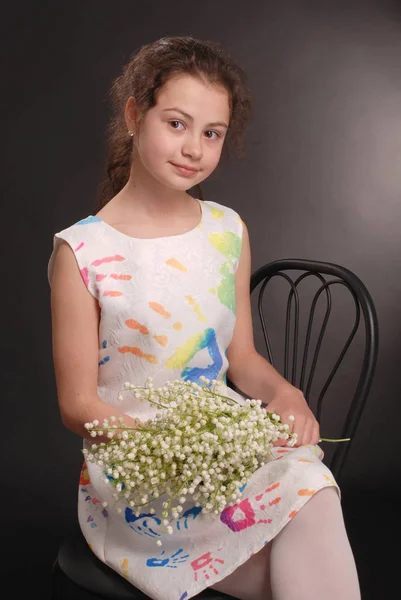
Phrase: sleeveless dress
(168, 311)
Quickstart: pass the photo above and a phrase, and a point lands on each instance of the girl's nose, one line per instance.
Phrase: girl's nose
(192, 148)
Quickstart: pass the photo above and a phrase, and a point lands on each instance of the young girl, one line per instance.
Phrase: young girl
(157, 284)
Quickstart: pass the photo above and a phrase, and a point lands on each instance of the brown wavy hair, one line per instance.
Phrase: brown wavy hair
(146, 73)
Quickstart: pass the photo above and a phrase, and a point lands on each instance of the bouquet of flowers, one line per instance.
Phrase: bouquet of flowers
(201, 446)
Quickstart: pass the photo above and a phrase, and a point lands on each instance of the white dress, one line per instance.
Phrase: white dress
(168, 311)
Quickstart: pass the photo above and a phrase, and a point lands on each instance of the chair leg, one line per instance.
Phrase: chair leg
(63, 588)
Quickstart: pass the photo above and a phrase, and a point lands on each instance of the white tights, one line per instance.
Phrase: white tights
(310, 559)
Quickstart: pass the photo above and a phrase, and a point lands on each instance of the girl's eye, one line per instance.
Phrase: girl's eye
(212, 138)
(174, 123)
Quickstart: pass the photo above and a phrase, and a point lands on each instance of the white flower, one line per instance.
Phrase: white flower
(200, 446)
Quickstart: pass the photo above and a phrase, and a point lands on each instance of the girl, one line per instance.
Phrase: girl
(157, 284)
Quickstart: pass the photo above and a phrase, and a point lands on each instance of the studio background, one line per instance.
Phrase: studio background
(320, 180)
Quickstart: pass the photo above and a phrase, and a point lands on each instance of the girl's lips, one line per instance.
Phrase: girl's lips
(185, 170)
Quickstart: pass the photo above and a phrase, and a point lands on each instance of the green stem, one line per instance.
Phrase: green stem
(334, 440)
(222, 396)
(148, 399)
(123, 427)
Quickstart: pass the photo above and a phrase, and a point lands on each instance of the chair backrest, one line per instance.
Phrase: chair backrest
(302, 353)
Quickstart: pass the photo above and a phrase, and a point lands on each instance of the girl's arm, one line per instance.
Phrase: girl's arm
(75, 323)
(248, 370)
(252, 374)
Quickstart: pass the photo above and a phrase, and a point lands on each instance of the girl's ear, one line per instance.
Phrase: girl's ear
(131, 114)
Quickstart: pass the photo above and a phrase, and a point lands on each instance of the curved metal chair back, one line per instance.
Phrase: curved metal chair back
(297, 355)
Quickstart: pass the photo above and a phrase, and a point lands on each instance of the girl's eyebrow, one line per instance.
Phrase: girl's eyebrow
(187, 116)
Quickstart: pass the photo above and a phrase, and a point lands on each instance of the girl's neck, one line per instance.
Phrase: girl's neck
(146, 195)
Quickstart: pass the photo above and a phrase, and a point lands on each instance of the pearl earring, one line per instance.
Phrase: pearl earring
(130, 133)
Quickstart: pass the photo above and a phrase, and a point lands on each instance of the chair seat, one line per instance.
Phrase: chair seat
(77, 561)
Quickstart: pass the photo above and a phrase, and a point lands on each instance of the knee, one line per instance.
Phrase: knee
(328, 493)
(325, 502)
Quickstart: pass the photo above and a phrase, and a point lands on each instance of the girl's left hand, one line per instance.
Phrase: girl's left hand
(291, 401)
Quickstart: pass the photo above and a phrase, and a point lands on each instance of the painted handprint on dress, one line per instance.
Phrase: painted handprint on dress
(95, 508)
(191, 512)
(147, 523)
(229, 244)
(186, 352)
(84, 478)
(88, 220)
(173, 562)
(242, 515)
(144, 524)
(105, 359)
(204, 564)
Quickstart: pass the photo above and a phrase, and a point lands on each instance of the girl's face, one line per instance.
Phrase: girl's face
(179, 141)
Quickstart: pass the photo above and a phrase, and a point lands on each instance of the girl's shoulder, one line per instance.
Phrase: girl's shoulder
(86, 232)
(84, 227)
(86, 241)
(227, 215)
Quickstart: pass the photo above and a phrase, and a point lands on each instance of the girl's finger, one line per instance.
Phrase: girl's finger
(299, 429)
(281, 441)
(308, 433)
(316, 434)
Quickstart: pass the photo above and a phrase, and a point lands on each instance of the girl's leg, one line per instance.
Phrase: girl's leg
(251, 580)
(311, 557)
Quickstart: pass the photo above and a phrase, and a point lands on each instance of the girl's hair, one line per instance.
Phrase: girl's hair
(146, 73)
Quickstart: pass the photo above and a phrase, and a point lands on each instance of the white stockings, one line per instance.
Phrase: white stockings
(311, 557)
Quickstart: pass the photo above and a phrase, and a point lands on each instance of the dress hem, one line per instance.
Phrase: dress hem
(192, 592)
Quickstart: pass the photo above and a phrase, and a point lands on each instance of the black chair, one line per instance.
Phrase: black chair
(79, 574)
(301, 354)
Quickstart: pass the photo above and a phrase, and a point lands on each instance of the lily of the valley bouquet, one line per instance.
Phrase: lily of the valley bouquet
(201, 446)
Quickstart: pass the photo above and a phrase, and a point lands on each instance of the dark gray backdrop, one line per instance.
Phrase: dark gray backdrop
(321, 180)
